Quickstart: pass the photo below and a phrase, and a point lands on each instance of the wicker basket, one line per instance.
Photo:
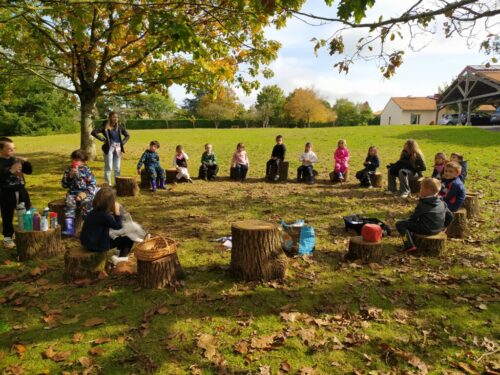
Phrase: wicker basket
(155, 248)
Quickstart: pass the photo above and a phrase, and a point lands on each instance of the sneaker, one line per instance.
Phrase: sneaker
(408, 249)
(8, 243)
(116, 259)
(389, 192)
(370, 187)
(190, 181)
(404, 195)
(276, 178)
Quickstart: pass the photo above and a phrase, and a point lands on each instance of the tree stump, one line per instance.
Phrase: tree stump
(159, 273)
(38, 244)
(126, 187)
(81, 264)
(430, 245)
(257, 253)
(283, 172)
(58, 207)
(415, 184)
(170, 176)
(458, 227)
(376, 179)
(334, 178)
(146, 180)
(471, 205)
(367, 252)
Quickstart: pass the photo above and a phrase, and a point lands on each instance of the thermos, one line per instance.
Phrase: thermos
(21, 211)
(53, 220)
(36, 221)
(28, 221)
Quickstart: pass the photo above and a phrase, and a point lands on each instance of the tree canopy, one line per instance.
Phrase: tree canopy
(304, 105)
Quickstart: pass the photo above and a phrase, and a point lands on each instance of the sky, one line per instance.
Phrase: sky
(420, 75)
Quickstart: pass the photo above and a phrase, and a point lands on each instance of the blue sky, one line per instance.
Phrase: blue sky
(420, 75)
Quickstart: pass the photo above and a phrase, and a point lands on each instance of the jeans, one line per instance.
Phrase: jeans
(124, 244)
(241, 171)
(113, 157)
(403, 225)
(305, 173)
(8, 204)
(269, 168)
(404, 176)
(364, 177)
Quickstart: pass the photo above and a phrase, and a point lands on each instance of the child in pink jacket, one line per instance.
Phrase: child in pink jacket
(341, 158)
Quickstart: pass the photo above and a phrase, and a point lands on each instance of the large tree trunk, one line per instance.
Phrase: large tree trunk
(38, 244)
(159, 273)
(257, 253)
(86, 124)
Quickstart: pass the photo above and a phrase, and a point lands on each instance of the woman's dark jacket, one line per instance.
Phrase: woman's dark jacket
(103, 135)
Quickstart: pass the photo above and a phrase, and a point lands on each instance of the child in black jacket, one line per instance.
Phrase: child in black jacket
(430, 217)
(104, 216)
(371, 164)
(12, 187)
(277, 158)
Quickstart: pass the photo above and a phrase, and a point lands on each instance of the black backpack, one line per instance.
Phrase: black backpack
(356, 222)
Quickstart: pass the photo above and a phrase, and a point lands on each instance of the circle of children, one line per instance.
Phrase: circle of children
(440, 195)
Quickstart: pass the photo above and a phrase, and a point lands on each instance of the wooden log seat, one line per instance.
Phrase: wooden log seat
(335, 179)
(376, 179)
(257, 253)
(458, 227)
(471, 205)
(367, 252)
(283, 172)
(58, 207)
(159, 273)
(430, 245)
(126, 186)
(81, 264)
(415, 184)
(38, 244)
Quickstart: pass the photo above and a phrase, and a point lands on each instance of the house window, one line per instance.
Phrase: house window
(414, 119)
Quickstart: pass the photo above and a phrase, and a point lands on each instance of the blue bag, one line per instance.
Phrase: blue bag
(298, 238)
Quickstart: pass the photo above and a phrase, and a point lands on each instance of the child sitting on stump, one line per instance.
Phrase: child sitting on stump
(439, 164)
(341, 160)
(452, 187)
(458, 158)
(180, 164)
(430, 217)
(104, 217)
(308, 158)
(81, 185)
(240, 163)
(151, 161)
(209, 167)
(12, 187)
(371, 164)
(277, 158)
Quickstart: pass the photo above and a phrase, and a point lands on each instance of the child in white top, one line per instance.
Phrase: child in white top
(308, 158)
(180, 164)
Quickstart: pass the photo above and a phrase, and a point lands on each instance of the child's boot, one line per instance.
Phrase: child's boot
(163, 184)
(70, 227)
(409, 245)
(153, 185)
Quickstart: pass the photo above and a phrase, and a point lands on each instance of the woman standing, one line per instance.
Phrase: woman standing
(114, 136)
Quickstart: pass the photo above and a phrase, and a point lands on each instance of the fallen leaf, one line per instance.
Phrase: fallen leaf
(264, 370)
(97, 351)
(20, 349)
(285, 366)
(208, 344)
(85, 362)
(77, 337)
(13, 370)
(56, 356)
(241, 347)
(94, 322)
(306, 371)
(101, 341)
(262, 343)
(469, 369)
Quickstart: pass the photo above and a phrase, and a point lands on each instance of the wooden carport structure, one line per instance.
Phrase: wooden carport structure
(475, 85)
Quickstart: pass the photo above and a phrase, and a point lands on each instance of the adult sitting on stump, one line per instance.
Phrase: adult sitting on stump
(277, 158)
(106, 215)
(430, 217)
(410, 165)
(305, 171)
(209, 167)
(151, 161)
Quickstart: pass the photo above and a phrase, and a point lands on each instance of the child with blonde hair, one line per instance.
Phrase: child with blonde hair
(341, 160)
(452, 187)
(240, 162)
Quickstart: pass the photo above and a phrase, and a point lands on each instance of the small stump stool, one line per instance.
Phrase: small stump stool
(257, 253)
(430, 245)
(283, 172)
(367, 252)
(415, 184)
(38, 244)
(159, 273)
(58, 207)
(458, 227)
(126, 187)
(80, 264)
(334, 178)
(146, 180)
(170, 175)
(471, 205)
(376, 179)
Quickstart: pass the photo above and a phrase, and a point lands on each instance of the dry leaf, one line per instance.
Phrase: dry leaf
(241, 347)
(208, 344)
(85, 362)
(20, 349)
(56, 356)
(13, 370)
(306, 371)
(101, 341)
(77, 337)
(97, 351)
(469, 369)
(262, 343)
(285, 366)
(94, 322)
(264, 370)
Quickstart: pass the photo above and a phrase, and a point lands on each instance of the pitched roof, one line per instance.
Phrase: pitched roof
(412, 103)
(486, 108)
(493, 75)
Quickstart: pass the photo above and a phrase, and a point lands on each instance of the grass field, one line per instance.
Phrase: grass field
(407, 315)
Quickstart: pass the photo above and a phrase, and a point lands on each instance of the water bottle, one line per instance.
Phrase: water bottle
(28, 221)
(44, 222)
(53, 220)
(20, 210)
(36, 221)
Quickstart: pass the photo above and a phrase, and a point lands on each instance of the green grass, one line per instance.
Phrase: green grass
(443, 324)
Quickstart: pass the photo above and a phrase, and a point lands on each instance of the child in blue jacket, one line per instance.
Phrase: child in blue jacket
(452, 187)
